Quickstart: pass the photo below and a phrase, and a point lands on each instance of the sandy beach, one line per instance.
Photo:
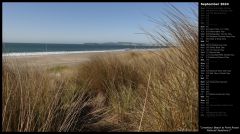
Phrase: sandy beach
(57, 59)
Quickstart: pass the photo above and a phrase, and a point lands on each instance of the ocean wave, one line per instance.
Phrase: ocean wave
(58, 52)
(69, 52)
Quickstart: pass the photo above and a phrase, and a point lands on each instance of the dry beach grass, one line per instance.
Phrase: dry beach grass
(132, 91)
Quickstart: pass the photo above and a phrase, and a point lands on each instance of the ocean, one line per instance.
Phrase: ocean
(17, 49)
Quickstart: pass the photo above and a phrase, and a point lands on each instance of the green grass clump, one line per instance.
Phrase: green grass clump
(57, 69)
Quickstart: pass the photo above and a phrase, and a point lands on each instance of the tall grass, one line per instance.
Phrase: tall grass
(136, 91)
(34, 101)
(169, 101)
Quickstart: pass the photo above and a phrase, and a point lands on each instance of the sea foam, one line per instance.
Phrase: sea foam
(60, 52)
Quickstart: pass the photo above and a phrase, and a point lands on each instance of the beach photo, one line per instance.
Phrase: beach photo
(100, 67)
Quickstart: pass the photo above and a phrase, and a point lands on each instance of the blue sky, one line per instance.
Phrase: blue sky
(82, 22)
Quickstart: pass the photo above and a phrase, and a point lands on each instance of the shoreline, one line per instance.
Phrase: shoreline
(68, 59)
(15, 54)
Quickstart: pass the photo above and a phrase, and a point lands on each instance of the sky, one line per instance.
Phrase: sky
(83, 22)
